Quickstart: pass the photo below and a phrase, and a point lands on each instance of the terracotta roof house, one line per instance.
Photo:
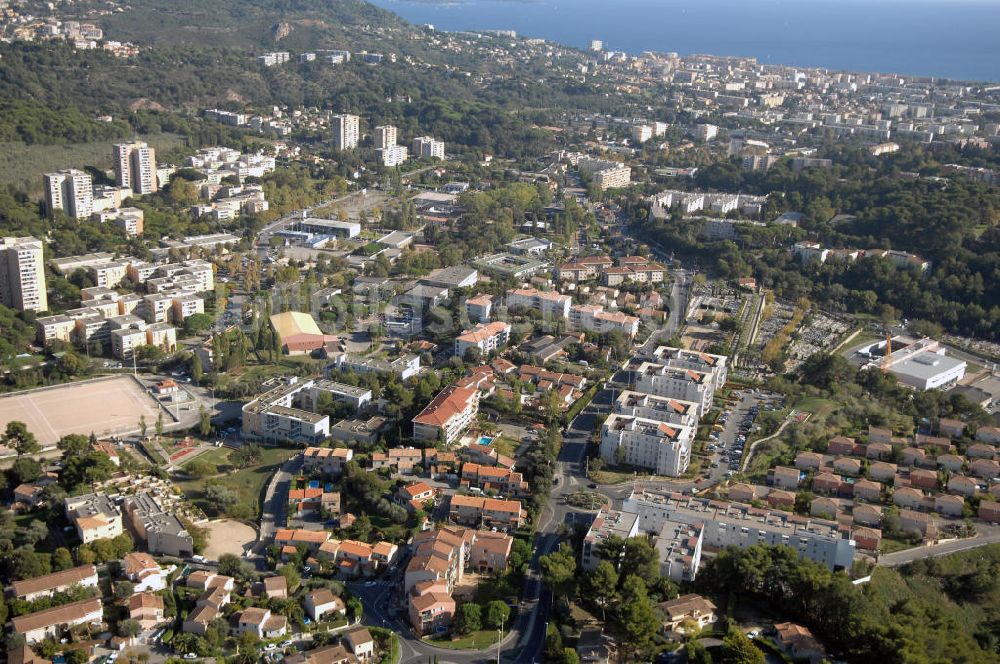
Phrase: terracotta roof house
(827, 483)
(824, 508)
(146, 609)
(847, 466)
(988, 435)
(909, 497)
(799, 643)
(984, 468)
(321, 602)
(808, 461)
(981, 451)
(878, 450)
(949, 505)
(361, 643)
(867, 538)
(276, 587)
(742, 493)
(950, 462)
(924, 479)
(914, 456)
(841, 445)
(933, 444)
(867, 490)
(867, 515)
(989, 510)
(785, 477)
(918, 521)
(963, 485)
(35, 627)
(951, 428)
(881, 471)
(689, 608)
(49, 584)
(779, 498)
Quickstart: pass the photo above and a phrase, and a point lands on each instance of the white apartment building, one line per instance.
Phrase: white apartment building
(385, 136)
(447, 415)
(424, 147)
(661, 447)
(686, 384)
(273, 416)
(70, 190)
(346, 131)
(736, 524)
(605, 174)
(135, 167)
(22, 274)
(717, 365)
(659, 409)
(641, 133)
(593, 318)
(706, 132)
(94, 515)
(487, 338)
(393, 155)
(607, 523)
(548, 303)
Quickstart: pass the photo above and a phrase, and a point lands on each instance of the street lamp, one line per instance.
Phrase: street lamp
(499, 639)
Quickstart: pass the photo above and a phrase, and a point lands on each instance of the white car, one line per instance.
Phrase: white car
(190, 655)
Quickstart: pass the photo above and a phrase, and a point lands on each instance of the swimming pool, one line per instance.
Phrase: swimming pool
(485, 440)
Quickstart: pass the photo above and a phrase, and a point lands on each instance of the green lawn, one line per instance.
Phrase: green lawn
(818, 406)
(611, 476)
(248, 482)
(484, 638)
(888, 545)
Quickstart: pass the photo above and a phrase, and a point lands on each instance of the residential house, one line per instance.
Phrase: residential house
(415, 495)
(984, 468)
(481, 511)
(447, 416)
(490, 552)
(57, 582)
(262, 623)
(687, 610)
(325, 460)
(989, 435)
(867, 538)
(827, 483)
(360, 642)
(841, 445)
(146, 609)
(847, 466)
(989, 510)
(924, 479)
(879, 435)
(808, 461)
(742, 493)
(909, 497)
(38, 626)
(919, 522)
(321, 603)
(949, 505)
(785, 477)
(878, 451)
(276, 587)
(963, 486)
(881, 471)
(914, 456)
(980, 451)
(780, 499)
(950, 462)
(799, 643)
(951, 428)
(824, 508)
(431, 607)
(867, 490)
(143, 571)
(867, 515)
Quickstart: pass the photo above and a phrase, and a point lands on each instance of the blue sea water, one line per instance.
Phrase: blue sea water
(958, 39)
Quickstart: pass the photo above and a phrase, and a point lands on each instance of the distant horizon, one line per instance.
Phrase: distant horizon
(935, 38)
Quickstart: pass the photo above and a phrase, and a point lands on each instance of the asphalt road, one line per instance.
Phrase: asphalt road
(276, 501)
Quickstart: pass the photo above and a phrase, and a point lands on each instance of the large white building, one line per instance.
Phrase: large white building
(736, 524)
(676, 383)
(275, 416)
(606, 524)
(661, 447)
(385, 135)
(922, 365)
(547, 303)
(393, 155)
(447, 415)
(593, 318)
(22, 274)
(70, 190)
(606, 174)
(487, 337)
(346, 131)
(135, 167)
(692, 359)
(426, 147)
(661, 409)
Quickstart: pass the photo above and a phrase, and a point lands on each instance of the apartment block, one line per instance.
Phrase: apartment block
(716, 365)
(135, 167)
(425, 147)
(662, 448)
(593, 318)
(447, 415)
(659, 409)
(549, 304)
(677, 383)
(734, 524)
(163, 532)
(606, 174)
(393, 155)
(486, 338)
(22, 274)
(385, 136)
(489, 512)
(71, 191)
(346, 131)
(94, 515)
(607, 523)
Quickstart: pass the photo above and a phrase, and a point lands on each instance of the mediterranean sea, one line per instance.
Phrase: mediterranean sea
(958, 39)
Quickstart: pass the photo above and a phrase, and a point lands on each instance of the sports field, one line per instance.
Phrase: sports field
(105, 407)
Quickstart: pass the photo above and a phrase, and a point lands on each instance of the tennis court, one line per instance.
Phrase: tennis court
(106, 406)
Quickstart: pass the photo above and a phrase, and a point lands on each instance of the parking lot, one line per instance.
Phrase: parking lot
(737, 424)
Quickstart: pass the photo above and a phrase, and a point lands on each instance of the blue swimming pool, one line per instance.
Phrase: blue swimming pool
(485, 440)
